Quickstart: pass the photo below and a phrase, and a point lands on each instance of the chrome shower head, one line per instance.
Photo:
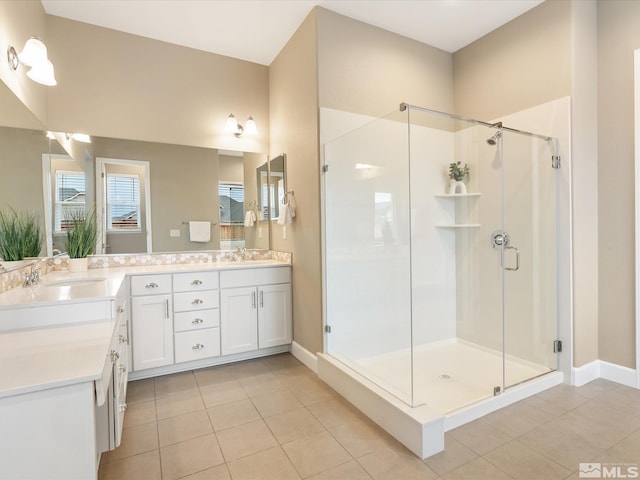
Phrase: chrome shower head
(493, 140)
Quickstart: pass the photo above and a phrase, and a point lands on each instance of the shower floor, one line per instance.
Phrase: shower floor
(449, 375)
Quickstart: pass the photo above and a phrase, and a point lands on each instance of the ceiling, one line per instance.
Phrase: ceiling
(256, 30)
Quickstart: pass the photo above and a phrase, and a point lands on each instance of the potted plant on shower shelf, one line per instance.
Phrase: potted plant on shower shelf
(81, 238)
(20, 236)
(458, 173)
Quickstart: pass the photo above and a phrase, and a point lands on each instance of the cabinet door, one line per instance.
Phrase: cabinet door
(152, 329)
(238, 320)
(274, 318)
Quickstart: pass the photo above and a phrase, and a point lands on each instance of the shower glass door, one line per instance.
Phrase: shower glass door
(529, 259)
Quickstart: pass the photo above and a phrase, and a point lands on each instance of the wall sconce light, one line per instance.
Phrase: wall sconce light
(78, 137)
(238, 130)
(34, 55)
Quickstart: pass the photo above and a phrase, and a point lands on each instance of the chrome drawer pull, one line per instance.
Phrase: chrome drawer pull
(196, 282)
(197, 321)
(197, 346)
(151, 285)
(123, 407)
(114, 355)
(197, 301)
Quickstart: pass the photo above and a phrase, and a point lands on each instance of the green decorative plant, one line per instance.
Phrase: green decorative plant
(83, 234)
(458, 172)
(20, 235)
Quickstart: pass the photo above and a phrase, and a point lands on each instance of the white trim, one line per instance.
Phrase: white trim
(617, 373)
(636, 55)
(601, 369)
(585, 374)
(100, 197)
(46, 197)
(305, 356)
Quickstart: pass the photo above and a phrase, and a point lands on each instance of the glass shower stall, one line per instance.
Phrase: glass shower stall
(441, 296)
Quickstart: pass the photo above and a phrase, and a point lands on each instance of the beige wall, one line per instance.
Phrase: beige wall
(19, 21)
(114, 84)
(524, 63)
(364, 69)
(584, 181)
(184, 186)
(618, 37)
(21, 178)
(294, 131)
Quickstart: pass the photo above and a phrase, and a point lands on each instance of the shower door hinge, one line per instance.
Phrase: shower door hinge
(557, 346)
(325, 168)
(555, 161)
(327, 328)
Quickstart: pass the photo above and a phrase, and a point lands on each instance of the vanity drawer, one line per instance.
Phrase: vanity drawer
(197, 344)
(194, 281)
(196, 320)
(187, 301)
(150, 284)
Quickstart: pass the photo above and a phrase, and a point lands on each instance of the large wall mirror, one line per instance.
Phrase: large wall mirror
(147, 193)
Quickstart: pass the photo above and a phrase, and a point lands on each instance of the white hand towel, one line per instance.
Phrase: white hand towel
(285, 217)
(200, 231)
(249, 218)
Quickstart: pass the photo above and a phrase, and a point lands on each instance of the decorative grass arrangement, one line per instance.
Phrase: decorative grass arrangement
(20, 235)
(83, 235)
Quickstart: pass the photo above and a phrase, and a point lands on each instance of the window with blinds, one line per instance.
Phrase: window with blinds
(231, 198)
(70, 199)
(123, 202)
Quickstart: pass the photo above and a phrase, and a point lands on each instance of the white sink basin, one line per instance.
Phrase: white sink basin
(73, 282)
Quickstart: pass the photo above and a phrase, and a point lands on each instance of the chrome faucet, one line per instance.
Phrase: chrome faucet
(32, 277)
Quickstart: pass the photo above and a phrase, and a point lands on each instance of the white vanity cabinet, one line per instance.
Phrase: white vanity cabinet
(255, 309)
(151, 321)
(196, 321)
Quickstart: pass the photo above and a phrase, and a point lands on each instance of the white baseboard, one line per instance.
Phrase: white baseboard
(305, 356)
(601, 369)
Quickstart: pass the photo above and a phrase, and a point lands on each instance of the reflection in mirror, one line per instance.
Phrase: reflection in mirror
(277, 185)
(184, 184)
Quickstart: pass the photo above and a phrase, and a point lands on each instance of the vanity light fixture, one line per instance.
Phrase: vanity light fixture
(78, 137)
(238, 130)
(34, 56)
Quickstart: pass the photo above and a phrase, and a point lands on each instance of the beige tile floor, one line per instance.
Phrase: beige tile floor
(273, 419)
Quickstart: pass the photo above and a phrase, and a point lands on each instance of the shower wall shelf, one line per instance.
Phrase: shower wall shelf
(458, 195)
(454, 195)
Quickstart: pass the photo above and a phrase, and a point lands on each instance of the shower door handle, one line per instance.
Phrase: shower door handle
(517, 267)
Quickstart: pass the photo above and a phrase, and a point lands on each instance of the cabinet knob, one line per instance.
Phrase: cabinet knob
(197, 346)
(197, 321)
(122, 339)
(114, 355)
(123, 407)
(122, 368)
(151, 285)
(120, 309)
(197, 301)
(196, 282)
